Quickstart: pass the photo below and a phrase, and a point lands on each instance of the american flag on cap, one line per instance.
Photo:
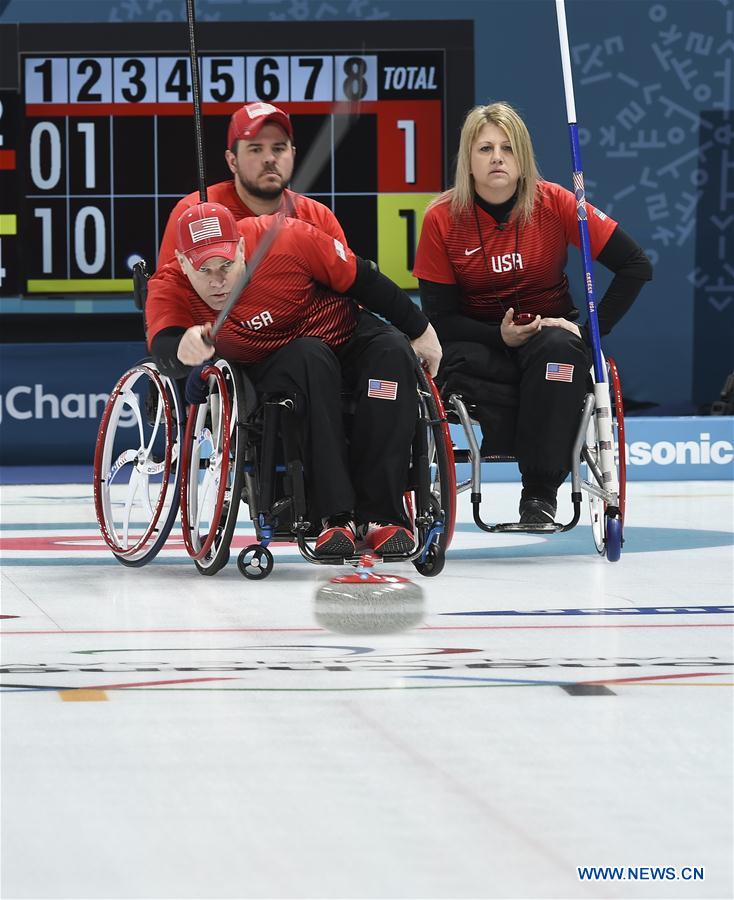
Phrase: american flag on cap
(205, 228)
(558, 372)
(381, 389)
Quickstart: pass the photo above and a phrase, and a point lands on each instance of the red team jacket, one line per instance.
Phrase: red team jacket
(285, 299)
(300, 207)
(494, 265)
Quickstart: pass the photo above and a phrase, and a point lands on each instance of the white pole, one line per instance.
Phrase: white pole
(565, 60)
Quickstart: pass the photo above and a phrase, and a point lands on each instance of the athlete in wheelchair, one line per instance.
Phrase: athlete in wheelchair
(490, 264)
(273, 434)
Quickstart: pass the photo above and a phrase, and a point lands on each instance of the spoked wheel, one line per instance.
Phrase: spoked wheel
(441, 476)
(255, 562)
(212, 470)
(136, 464)
(607, 523)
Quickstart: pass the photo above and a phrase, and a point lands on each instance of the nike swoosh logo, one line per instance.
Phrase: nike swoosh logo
(469, 252)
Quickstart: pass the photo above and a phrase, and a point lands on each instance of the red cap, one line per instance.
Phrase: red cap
(206, 230)
(246, 123)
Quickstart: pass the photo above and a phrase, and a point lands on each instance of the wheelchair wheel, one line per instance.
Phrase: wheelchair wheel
(614, 538)
(212, 470)
(442, 478)
(432, 563)
(607, 524)
(255, 562)
(136, 464)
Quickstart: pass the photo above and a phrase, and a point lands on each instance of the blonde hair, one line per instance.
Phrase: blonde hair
(461, 195)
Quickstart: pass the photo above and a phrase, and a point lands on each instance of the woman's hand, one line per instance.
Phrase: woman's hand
(427, 348)
(517, 335)
(561, 323)
(194, 348)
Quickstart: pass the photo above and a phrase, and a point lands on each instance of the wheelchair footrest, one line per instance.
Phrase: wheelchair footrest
(517, 527)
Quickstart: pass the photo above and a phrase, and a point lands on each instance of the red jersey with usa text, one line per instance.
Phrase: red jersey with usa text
(291, 294)
(513, 265)
(224, 192)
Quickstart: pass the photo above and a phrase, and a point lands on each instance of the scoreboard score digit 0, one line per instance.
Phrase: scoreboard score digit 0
(98, 138)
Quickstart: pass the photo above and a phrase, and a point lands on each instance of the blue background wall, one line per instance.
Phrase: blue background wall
(654, 88)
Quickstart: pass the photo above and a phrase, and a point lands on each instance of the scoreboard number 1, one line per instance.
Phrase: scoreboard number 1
(399, 220)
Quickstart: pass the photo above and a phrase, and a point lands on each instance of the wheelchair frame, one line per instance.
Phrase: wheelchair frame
(605, 486)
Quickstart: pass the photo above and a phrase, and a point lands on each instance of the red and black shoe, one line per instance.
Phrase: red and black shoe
(388, 539)
(336, 539)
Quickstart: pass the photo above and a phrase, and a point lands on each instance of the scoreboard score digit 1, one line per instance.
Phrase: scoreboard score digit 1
(98, 139)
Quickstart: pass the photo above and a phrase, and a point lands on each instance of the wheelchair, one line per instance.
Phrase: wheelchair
(238, 448)
(598, 465)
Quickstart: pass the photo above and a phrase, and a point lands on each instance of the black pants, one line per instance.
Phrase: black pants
(531, 415)
(381, 430)
(364, 472)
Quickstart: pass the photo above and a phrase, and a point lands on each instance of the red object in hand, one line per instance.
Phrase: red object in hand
(523, 318)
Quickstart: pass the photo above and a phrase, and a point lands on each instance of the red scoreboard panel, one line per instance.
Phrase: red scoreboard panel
(98, 140)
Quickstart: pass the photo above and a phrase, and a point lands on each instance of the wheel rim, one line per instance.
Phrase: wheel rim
(616, 386)
(117, 502)
(197, 505)
(440, 458)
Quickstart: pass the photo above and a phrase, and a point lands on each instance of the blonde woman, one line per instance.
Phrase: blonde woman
(490, 264)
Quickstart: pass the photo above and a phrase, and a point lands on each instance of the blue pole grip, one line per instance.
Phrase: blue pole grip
(580, 194)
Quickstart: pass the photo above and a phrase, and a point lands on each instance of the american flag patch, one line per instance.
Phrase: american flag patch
(205, 228)
(383, 390)
(558, 372)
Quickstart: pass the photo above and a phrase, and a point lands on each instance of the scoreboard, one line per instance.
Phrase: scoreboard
(97, 136)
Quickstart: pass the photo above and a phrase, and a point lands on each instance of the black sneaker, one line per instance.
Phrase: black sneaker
(537, 512)
(337, 537)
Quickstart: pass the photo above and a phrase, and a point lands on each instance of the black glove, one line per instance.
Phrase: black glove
(196, 390)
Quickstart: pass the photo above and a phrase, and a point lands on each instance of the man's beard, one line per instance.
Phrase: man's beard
(268, 193)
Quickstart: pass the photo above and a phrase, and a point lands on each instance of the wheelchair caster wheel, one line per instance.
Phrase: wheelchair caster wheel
(433, 562)
(255, 562)
(613, 539)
